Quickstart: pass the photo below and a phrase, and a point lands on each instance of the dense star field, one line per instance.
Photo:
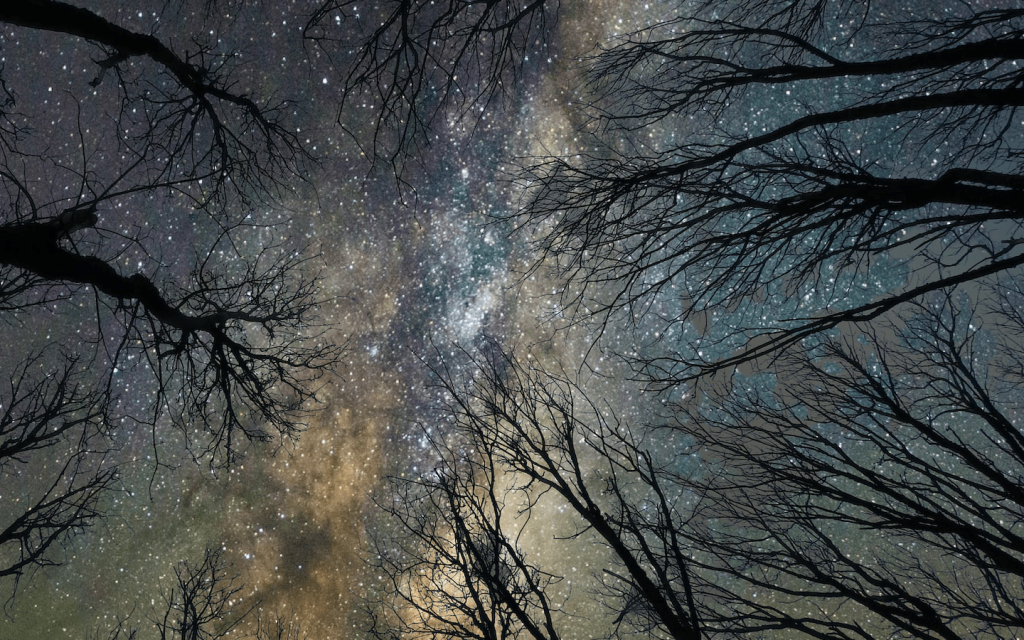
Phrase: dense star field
(511, 319)
(403, 267)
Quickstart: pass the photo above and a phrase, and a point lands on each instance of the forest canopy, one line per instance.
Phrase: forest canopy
(219, 346)
(808, 213)
(744, 351)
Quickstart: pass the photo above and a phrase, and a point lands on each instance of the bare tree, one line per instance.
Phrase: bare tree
(450, 566)
(128, 233)
(180, 117)
(201, 604)
(231, 341)
(59, 492)
(871, 487)
(518, 436)
(206, 603)
(868, 487)
(415, 65)
(788, 153)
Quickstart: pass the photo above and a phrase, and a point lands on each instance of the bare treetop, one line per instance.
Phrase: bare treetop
(181, 118)
(136, 231)
(231, 341)
(728, 161)
(413, 66)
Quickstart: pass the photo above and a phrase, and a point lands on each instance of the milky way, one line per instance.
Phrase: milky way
(406, 269)
(676, 319)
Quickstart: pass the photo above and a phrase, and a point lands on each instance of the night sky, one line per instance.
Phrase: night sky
(689, 225)
(405, 267)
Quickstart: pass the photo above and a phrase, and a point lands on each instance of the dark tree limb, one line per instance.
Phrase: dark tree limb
(731, 160)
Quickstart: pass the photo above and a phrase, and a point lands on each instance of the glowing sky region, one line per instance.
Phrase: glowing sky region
(405, 271)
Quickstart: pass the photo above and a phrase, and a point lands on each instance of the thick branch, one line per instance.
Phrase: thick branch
(36, 247)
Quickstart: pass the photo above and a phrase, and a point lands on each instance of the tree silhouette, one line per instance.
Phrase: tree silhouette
(452, 559)
(128, 232)
(206, 602)
(870, 487)
(786, 154)
(51, 429)
(447, 567)
(231, 337)
(417, 65)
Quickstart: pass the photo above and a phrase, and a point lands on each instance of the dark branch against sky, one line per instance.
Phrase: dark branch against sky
(573, 318)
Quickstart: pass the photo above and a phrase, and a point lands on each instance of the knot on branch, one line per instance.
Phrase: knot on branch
(107, 64)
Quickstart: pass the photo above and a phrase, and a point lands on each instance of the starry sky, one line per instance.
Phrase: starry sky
(406, 267)
(413, 268)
